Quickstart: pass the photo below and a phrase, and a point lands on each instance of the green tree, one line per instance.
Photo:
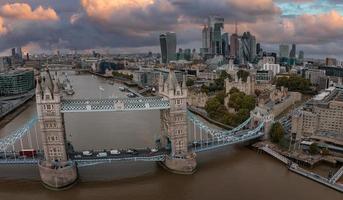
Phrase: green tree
(314, 149)
(233, 90)
(276, 132)
(212, 106)
(243, 75)
(189, 82)
(294, 83)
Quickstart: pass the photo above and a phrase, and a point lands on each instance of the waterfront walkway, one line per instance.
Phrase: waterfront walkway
(275, 154)
(296, 169)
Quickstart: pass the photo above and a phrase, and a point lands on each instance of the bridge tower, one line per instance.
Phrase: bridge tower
(55, 169)
(262, 115)
(174, 125)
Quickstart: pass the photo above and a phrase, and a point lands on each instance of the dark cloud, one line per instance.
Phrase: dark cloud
(88, 24)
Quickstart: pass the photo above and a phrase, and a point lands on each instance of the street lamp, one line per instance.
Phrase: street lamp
(101, 90)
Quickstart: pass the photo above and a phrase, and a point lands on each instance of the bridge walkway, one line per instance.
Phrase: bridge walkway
(336, 176)
(275, 154)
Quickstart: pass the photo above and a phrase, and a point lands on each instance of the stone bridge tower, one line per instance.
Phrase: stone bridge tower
(55, 170)
(262, 115)
(174, 125)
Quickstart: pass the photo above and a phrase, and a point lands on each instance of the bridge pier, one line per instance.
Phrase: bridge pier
(185, 165)
(59, 175)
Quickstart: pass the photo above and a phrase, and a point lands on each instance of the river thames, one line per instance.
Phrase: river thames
(235, 172)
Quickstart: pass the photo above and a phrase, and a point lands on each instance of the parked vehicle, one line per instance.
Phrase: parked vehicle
(87, 153)
(28, 152)
(115, 152)
(101, 155)
(132, 151)
(78, 156)
(153, 150)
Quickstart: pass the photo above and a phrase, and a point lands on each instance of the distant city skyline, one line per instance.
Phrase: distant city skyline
(130, 26)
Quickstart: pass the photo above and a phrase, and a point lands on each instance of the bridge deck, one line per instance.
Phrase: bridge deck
(114, 104)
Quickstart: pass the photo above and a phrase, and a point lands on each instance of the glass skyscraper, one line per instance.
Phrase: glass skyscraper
(168, 46)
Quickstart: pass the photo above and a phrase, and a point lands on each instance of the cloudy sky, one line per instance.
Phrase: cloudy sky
(134, 25)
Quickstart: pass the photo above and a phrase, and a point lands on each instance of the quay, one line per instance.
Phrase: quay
(332, 183)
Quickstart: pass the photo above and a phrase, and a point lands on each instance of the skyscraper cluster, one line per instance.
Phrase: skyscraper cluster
(213, 41)
(290, 56)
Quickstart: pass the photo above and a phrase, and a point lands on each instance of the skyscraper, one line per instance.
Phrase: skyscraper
(212, 36)
(168, 46)
(301, 55)
(234, 45)
(248, 47)
(225, 44)
(293, 52)
(283, 51)
(205, 40)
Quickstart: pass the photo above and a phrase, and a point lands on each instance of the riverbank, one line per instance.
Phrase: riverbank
(204, 116)
(331, 183)
(16, 111)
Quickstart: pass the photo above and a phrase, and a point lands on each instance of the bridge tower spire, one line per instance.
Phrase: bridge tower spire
(55, 170)
(174, 126)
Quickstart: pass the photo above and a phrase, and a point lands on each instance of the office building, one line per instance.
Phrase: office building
(275, 68)
(168, 47)
(248, 42)
(283, 51)
(234, 46)
(330, 62)
(225, 44)
(301, 55)
(16, 82)
(293, 52)
(321, 117)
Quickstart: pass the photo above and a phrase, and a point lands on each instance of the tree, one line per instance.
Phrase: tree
(314, 149)
(233, 90)
(189, 82)
(243, 75)
(277, 132)
(258, 92)
(294, 83)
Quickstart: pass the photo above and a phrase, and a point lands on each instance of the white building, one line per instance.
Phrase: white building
(275, 68)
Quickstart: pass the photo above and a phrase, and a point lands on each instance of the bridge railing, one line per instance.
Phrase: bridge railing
(19, 134)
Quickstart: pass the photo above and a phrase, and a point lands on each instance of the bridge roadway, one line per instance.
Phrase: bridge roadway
(239, 137)
(137, 155)
(114, 104)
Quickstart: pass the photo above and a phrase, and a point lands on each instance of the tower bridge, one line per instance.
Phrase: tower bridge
(178, 143)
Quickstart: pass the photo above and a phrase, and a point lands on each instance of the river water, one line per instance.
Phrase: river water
(231, 173)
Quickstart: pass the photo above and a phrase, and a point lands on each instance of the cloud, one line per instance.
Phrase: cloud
(136, 24)
(3, 29)
(23, 11)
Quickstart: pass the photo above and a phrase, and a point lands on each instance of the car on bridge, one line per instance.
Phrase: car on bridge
(77, 156)
(132, 151)
(101, 155)
(115, 152)
(87, 153)
(153, 150)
